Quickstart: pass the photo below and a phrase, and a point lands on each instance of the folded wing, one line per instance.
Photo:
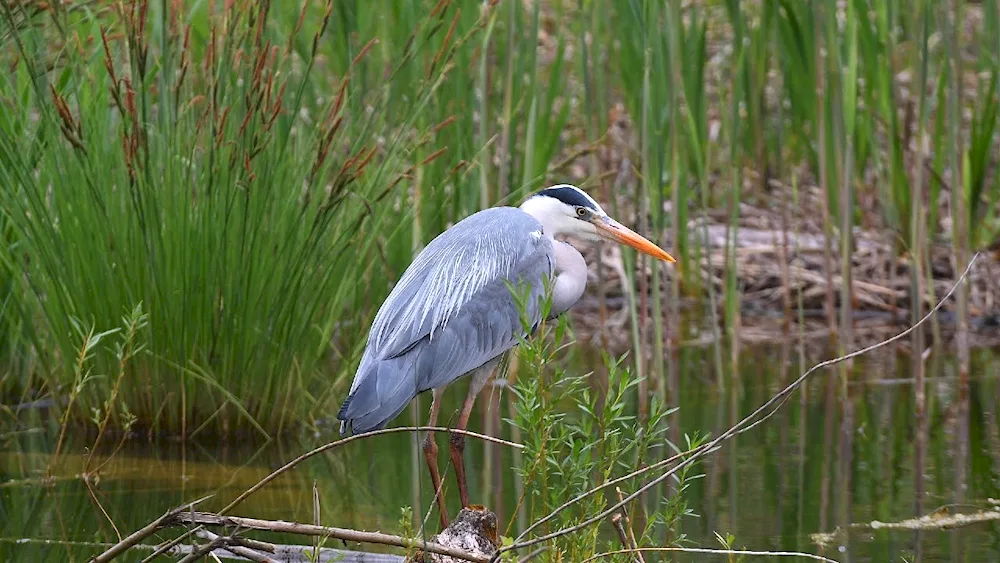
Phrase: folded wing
(451, 312)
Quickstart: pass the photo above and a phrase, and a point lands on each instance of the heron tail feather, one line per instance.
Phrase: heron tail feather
(382, 394)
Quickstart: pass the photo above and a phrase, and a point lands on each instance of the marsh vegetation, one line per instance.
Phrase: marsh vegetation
(204, 203)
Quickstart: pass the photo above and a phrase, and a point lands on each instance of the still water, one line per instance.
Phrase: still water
(842, 451)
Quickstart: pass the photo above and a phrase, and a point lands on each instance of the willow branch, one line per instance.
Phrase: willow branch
(628, 526)
(616, 521)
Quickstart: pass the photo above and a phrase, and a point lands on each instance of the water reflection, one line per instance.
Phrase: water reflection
(861, 446)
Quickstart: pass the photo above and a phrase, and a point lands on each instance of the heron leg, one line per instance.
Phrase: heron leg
(457, 441)
(431, 453)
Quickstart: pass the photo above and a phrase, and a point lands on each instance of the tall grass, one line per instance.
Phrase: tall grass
(257, 176)
(9, 326)
(240, 170)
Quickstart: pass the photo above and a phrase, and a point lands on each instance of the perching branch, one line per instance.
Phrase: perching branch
(756, 417)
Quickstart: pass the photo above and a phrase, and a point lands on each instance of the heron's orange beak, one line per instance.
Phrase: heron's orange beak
(612, 230)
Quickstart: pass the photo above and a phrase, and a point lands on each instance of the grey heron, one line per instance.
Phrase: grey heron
(452, 312)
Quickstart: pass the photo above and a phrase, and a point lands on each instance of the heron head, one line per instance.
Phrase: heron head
(568, 210)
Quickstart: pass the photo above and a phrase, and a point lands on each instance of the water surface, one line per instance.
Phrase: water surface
(842, 451)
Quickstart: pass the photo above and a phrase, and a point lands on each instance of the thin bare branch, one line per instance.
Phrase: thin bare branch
(230, 545)
(243, 496)
(759, 415)
(329, 446)
(202, 551)
(144, 532)
(93, 496)
(616, 521)
(628, 526)
(607, 484)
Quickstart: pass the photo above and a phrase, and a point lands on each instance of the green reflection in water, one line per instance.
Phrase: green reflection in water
(831, 456)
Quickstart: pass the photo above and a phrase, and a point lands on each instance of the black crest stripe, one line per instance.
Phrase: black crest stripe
(569, 196)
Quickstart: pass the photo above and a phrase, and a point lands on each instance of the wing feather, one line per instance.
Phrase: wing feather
(483, 248)
(450, 313)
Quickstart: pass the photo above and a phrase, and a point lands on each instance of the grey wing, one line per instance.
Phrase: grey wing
(451, 312)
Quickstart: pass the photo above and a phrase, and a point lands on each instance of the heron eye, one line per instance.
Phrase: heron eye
(581, 211)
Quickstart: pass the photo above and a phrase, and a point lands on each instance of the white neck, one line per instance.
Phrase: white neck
(551, 214)
(570, 279)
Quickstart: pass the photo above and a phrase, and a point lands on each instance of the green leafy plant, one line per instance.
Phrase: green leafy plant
(577, 440)
(203, 163)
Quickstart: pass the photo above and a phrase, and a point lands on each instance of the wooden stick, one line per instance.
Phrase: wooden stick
(144, 532)
(204, 550)
(329, 446)
(628, 526)
(616, 521)
(210, 519)
(935, 522)
(230, 544)
(288, 553)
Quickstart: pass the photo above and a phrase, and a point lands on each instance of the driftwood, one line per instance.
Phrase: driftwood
(187, 516)
(278, 552)
(346, 534)
(472, 536)
(134, 538)
(937, 520)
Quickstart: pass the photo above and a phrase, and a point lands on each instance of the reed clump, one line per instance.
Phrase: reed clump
(239, 170)
(257, 174)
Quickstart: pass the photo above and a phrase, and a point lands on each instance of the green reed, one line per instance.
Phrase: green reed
(242, 173)
(257, 178)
